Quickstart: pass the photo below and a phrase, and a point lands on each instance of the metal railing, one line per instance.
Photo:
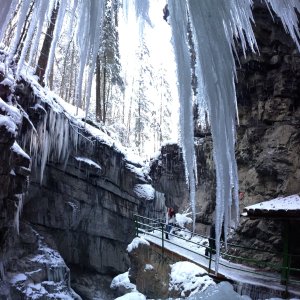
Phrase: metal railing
(268, 270)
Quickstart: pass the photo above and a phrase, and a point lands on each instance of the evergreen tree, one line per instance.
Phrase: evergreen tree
(108, 67)
(143, 102)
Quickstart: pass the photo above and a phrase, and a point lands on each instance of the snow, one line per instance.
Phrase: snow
(132, 296)
(8, 123)
(122, 280)
(148, 267)
(183, 219)
(11, 111)
(88, 161)
(281, 203)
(221, 291)
(136, 242)
(188, 277)
(144, 191)
(18, 278)
(18, 150)
(215, 23)
(48, 256)
(7, 82)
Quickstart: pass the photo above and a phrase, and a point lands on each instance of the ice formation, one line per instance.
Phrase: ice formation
(19, 207)
(215, 24)
(178, 11)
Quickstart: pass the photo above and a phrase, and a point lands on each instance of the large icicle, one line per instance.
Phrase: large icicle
(56, 34)
(178, 13)
(215, 23)
(45, 6)
(36, 16)
(6, 10)
(82, 42)
(23, 13)
(96, 16)
(286, 10)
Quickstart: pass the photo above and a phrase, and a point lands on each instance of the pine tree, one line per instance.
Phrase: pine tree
(143, 102)
(108, 67)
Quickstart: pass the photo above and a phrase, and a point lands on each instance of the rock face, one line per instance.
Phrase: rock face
(167, 173)
(83, 191)
(82, 195)
(29, 268)
(268, 136)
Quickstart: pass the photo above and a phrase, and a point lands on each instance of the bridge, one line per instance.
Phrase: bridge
(184, 245)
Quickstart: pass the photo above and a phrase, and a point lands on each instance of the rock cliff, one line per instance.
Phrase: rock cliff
(29, 268)
(77, 188)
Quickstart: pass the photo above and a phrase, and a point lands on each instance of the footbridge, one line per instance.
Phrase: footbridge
(242, 271)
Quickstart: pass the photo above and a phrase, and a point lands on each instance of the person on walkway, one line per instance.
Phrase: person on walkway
(170, 221)
(166, 13)
(212, 240)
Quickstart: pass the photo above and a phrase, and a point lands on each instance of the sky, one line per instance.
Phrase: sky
(158, 39)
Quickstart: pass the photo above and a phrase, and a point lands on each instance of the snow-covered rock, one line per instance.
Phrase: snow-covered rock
(187, 279)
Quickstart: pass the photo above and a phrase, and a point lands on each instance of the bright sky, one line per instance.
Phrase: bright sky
(158, 40)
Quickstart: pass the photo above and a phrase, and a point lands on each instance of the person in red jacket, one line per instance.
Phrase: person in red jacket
(170, 220)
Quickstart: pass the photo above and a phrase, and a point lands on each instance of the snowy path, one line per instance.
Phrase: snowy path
(232, 271)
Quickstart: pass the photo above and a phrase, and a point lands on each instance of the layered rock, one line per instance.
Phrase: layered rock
(167, 173)
(83, 190)
(268, 144)
(82, 195)
(28, 267)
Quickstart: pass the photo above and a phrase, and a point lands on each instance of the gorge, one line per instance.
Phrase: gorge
(69, 192)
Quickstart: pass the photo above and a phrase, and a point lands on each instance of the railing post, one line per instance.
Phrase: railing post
(162, 238)
(210, 257)
(285, 263)
(136, 225)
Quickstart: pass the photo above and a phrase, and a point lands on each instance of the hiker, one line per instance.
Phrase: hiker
(166, 13)
(212, 240)
(170, 221)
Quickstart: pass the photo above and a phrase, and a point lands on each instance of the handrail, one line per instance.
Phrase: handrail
(222, 242)
(286, 269)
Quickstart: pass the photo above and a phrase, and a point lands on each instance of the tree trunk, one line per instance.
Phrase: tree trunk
(104, 93)
(44, 55)
(98, 90)
(24, 31)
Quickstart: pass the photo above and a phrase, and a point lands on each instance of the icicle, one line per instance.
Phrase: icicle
(214, 24)
(82, 41)
(18, 212)
(23, 12)
(44, 7)
(34, 20)
(178, 13)
(286, 11)
(142, 9)
(96, 16)
(73, 14)
(56, 34)
(7, 8)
